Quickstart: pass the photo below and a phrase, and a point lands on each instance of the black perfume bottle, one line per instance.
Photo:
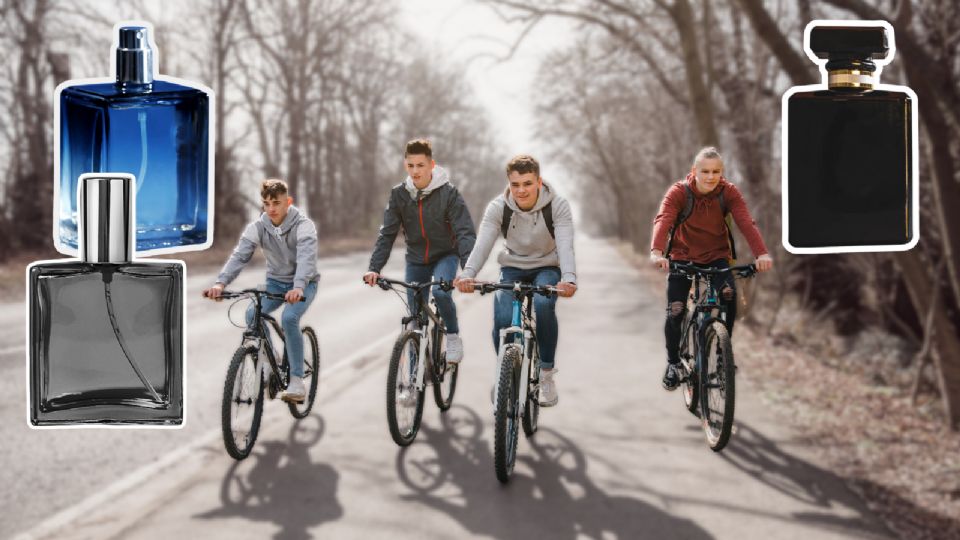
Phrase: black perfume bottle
(849, 174)
(106, 332)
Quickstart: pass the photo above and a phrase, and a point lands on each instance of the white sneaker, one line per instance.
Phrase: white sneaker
(454, 348)
(548, 388)
(295, 392)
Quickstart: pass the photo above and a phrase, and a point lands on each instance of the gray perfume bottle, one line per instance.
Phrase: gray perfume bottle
(106, 331)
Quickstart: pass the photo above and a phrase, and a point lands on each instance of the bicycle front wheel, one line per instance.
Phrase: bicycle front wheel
(505, 415)
(444, 374)
(690, 389)
(242, 403)
(717, 385)
(404, 401)
(311, 373)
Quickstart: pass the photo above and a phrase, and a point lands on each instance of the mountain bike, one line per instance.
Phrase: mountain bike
(254, 359)
(421, 338)
(517, 390)
(707, 369)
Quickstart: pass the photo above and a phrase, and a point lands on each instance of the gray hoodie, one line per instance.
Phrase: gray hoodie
(290, 249)
(528, 243)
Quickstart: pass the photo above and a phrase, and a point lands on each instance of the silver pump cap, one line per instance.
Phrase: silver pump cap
(135, 55)
(106, 219)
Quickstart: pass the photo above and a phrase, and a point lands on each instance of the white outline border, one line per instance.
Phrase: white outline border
(183, 334)
(915, 168)
(211, 149)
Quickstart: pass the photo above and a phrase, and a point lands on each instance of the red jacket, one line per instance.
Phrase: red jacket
(702, 238)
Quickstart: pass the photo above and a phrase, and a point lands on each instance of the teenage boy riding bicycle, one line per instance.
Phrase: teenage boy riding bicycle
(701, 237)
(438, 230)
(289, 243)
(537, 226)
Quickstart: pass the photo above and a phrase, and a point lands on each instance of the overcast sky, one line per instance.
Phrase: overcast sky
(470, 33)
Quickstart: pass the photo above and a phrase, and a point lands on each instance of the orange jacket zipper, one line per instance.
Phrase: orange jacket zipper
(423, 232)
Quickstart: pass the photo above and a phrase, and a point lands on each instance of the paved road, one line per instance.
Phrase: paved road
(617, 458)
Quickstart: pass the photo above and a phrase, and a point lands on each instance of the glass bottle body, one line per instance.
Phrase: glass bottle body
(106, 343)
(158, 132)
(850, 161)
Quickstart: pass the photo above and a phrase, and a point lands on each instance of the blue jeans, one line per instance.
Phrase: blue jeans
(289, 321)
(544, 307)
(446, 269)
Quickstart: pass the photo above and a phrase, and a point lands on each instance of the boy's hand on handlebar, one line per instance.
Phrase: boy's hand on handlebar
(464, 285)
(658, 260)
(764, 263)
(566, 289)
(370, 278)
(293, 295)
(214, 292)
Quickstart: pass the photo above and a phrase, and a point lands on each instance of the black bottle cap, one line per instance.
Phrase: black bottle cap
(849, 42)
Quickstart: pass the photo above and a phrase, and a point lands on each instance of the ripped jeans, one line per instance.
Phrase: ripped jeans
(678, 289)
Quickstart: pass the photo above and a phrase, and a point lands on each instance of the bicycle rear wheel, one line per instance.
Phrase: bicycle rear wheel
(505, 415)
(444, 374)
(242, 403)
(311, 373)
(718, 385)
(404, 401)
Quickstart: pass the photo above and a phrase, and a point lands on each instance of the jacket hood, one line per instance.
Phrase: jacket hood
(546, 195)
(440, 177)
(293, 218)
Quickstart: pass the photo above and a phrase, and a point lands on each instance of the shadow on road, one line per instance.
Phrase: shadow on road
(761, 458)
(279, 483)
(549, 496)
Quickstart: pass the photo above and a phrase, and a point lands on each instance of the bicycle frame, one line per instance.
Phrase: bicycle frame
(259, 337)
(424, 317)
(706, 308)
(517, 333)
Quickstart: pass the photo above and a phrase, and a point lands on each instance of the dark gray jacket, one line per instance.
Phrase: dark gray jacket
(435, 223)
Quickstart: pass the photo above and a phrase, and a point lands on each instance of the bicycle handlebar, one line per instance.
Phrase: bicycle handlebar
(526, 288)
(252, 293)
(385, 284)
(743, 270)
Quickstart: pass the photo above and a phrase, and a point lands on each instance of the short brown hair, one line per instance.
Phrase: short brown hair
(419, 147)
(273, 188)
(523, 164)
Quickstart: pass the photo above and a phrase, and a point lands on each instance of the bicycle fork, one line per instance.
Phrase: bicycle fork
(422, 363)
(505, 335)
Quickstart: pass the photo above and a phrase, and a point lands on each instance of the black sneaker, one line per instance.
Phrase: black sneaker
(671, 377)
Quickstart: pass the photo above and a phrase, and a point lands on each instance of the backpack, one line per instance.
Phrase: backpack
(547, 212)
(688, 209)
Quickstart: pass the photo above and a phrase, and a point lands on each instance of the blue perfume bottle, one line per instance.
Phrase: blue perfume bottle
(155, 128)
(106, 340)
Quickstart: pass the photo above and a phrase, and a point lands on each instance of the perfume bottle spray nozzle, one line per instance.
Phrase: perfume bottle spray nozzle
(106, 220)
(135, 55)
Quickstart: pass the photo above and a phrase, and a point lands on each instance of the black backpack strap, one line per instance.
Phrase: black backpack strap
(547, 212)
(548, 218)
(684, 214)
(505, 222)
(728, 221)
